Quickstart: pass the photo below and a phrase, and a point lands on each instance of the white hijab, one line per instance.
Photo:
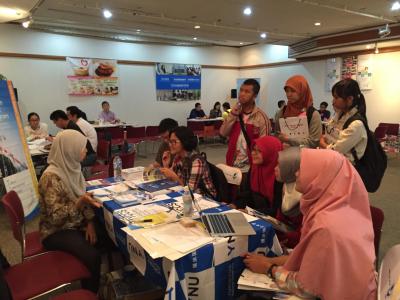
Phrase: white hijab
(64, 160)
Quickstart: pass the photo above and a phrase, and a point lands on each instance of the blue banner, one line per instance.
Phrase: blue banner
(178, 82)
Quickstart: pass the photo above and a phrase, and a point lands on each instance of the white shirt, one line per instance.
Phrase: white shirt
(89, 131)
(355, 136)
(41, 132)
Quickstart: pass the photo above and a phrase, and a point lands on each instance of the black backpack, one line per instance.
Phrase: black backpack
(218, 178)
(372, 165)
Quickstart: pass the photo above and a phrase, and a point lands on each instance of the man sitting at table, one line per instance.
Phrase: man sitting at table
(74, 114)
(106, 114)
(35, 129)
(197, 112)
(60, 119)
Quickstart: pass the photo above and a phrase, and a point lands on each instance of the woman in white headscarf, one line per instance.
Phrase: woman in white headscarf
(66, 214)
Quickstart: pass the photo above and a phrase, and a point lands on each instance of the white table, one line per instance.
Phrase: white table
(110, 125)
(206, 120)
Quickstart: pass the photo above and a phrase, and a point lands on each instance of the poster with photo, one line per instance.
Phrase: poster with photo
(178, 82)
(92, 77)
(16, 168)
(364, 71)
(332, 74)
(349, 67)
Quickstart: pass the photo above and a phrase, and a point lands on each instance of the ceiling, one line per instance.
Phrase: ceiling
(222, 21)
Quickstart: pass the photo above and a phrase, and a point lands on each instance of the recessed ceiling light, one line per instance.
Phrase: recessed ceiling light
(240, 43)
(107, 14)
(26, 24)
(247, 11)
(197, 27)
(263, 35)
(5, 11)
(195, 38)
(138, 30)
(369, 47)
(317, 23)
(396, 5)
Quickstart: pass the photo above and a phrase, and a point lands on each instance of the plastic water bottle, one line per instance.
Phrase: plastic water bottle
(187, 203)
(117, 165)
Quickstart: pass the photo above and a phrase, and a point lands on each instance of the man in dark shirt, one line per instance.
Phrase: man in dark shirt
(325, 114)
(60, 119)
(197, 112)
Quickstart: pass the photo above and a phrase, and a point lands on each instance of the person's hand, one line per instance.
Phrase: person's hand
(90, 233)
(236, 109)
(166, 159)
(322, 142)
(168, 173)
(233, 206)
(87, 198)
(257, 263)
(49, 138)
(283, 137)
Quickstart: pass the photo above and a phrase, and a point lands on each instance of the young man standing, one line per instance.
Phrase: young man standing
(255, 121)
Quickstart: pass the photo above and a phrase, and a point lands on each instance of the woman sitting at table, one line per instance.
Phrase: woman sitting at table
(216, 111)
(300, 103)
(349, 102)
(264, 193)
(188, 167)
(335, 257)
(66, 217)
(35, 129)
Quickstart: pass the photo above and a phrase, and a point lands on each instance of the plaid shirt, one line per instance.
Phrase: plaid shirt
(200, 179)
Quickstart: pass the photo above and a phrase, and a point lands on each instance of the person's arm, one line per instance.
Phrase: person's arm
(315, 133)
(349, 137)
(230, 120)
(265, 124)
(192, 114)
(287, 280)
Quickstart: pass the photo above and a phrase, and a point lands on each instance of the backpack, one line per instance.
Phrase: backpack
(218, 178)
(372, 165)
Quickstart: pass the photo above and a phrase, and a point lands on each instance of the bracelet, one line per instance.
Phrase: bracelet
(269, 272)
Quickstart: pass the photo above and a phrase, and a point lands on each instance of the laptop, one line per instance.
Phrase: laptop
(223, 225)
(229, 224)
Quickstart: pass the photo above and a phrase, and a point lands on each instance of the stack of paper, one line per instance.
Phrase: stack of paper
(256, 282)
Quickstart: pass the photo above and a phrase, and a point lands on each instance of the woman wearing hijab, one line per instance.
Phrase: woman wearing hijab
(265, 194)
(300, 103)
(330, 262)
(66, 216)
(289, 212)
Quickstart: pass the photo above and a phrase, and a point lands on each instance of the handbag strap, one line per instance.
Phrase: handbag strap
(245, 134)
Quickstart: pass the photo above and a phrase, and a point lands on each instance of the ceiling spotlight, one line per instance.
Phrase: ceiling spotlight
(368, 47)
(26, 24)
(396, 5)
(240, 43)
(247, 11)
(195, 38)
(107, 14)
(197, 27)
(376, 49)
(263, 35)
(317, 23)
(138, 30)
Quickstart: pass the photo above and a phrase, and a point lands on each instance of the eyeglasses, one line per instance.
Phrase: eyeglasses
(174, 142)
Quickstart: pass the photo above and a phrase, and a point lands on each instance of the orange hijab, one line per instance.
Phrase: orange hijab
(300, 85)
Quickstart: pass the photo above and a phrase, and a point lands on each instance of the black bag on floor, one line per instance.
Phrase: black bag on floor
(372, 165)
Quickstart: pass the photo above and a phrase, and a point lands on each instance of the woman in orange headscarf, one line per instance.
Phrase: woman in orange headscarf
(300, 103)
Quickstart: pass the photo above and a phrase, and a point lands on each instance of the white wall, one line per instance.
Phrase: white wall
(42, 84)
(383, 101)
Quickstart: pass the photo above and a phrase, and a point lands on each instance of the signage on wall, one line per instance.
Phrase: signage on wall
(16, 168)
(349, 67)
(178, 82)
(364, 71)
(332, 74)
(92, 77)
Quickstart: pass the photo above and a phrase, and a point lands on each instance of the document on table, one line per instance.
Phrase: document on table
(249, 280)
(180, 238)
